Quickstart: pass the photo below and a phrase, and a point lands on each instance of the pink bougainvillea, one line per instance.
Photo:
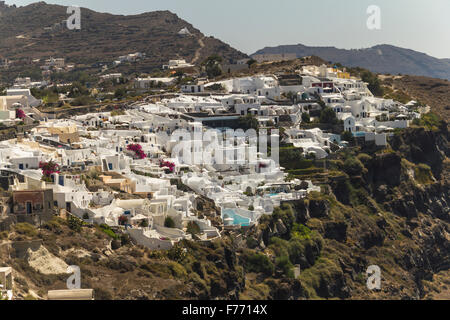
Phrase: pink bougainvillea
(48, 168)
(137, 149)
(262, 165)
(167, 164)
(123, 220)
(20, 114)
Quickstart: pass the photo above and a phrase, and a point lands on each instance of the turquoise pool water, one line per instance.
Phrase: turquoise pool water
(359, 134)
(237, 219)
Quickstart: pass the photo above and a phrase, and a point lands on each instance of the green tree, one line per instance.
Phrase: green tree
(374, 84)
(169, 223)
(212, 66)
(77, 89)
(327, 115)
(251, 62)
(292, 158)
(248, 122)
(193, 228)
(257, 262)
(284, 264)
(120, 93)
(346, 136)
(144, 224)
(177, 253)
(305, 117)
(353, 166)
(300, 232)
(74, 223)
(292, 96)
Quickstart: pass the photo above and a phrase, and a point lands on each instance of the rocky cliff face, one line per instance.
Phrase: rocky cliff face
(392, 215)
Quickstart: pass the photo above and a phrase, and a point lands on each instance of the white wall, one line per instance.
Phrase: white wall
(152, 243)
(393, 124)
(28, 163)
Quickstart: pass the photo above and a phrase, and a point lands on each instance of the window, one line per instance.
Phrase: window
(29, 207)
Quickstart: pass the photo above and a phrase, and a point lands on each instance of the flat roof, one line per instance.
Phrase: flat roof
(207, 115)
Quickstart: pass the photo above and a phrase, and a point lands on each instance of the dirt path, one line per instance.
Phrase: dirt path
(197, 52)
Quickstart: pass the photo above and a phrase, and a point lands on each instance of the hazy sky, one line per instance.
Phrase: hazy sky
(249, 25)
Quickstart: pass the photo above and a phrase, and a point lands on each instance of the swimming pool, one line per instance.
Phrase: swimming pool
(359, 134)
(237, 219)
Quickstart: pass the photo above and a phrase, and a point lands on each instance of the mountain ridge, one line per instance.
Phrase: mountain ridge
(382, 58)
(103, 36)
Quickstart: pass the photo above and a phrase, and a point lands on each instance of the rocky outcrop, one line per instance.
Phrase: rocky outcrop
(336, 230)
(319, 208)
(306, 209)
(433, 200)
(301, 209)
(423, 146)
(385, 169)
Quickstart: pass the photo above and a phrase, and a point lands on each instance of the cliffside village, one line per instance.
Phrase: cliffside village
(120, 168)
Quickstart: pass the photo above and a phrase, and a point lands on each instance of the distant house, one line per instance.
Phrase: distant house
(111, 76)
(66, 133)
(192, 88)
(32, 101)
(177, 64)
(184, 32)
(123, 184)
(32, 201)
(274, 57)
(146, 83)
(55, 62)
(349, 123)
(25, 163)
(12, 102)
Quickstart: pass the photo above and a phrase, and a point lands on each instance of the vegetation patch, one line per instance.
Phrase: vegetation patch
(423, 174)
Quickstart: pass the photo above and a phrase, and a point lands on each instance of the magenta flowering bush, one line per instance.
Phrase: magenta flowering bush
(123, 220)
(262, 165)
(137, 149)
(48, 168)
(168, 164)
(20, 114)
